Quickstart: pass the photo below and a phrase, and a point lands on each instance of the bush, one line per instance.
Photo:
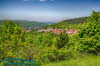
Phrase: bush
(89, 34)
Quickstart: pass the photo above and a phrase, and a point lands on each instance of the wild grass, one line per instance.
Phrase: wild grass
(85, 61)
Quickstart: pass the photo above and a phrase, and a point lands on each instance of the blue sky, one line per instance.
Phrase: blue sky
(47, 10)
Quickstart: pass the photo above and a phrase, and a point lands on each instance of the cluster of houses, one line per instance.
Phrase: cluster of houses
(58, 31)
(28, 30)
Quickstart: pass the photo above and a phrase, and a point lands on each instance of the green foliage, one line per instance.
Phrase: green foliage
(12, 41)
(89, 33)
(52, 47)
(62, 40)
(41, 46)
(9, 27)
(91, 27)
(29, 24)
(48, 54)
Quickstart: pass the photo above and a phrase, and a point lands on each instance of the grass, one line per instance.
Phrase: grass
(86, 61)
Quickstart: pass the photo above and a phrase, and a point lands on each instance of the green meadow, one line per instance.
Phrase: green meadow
(85, 61)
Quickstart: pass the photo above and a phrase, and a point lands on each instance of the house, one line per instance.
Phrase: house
(28, 30)
(58, 31)
(71, 31)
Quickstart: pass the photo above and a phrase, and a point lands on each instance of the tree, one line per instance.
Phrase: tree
(62, 40)
(89, 33)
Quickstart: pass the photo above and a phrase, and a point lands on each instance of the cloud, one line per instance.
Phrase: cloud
(43, 0)
(39, 0)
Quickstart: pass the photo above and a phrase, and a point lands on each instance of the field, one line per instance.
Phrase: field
(86, 61)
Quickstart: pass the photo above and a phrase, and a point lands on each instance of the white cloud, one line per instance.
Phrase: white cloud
(39, 0)
(43, 0)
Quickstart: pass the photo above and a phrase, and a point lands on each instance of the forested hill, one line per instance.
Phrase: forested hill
(68, 23)
(28, 24)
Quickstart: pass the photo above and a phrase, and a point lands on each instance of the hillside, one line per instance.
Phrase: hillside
(68, 23)
(28, 24)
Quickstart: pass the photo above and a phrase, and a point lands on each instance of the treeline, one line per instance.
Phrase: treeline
(31, 25)
(47, 47)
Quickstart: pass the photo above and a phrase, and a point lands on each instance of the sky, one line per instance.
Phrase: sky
(46, 10)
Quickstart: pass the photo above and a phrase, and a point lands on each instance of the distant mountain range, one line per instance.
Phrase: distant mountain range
(49, 23)
(68, 22)
(35, 25)
(28, 24)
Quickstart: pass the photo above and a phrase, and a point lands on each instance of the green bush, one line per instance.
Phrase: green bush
(89, 34)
